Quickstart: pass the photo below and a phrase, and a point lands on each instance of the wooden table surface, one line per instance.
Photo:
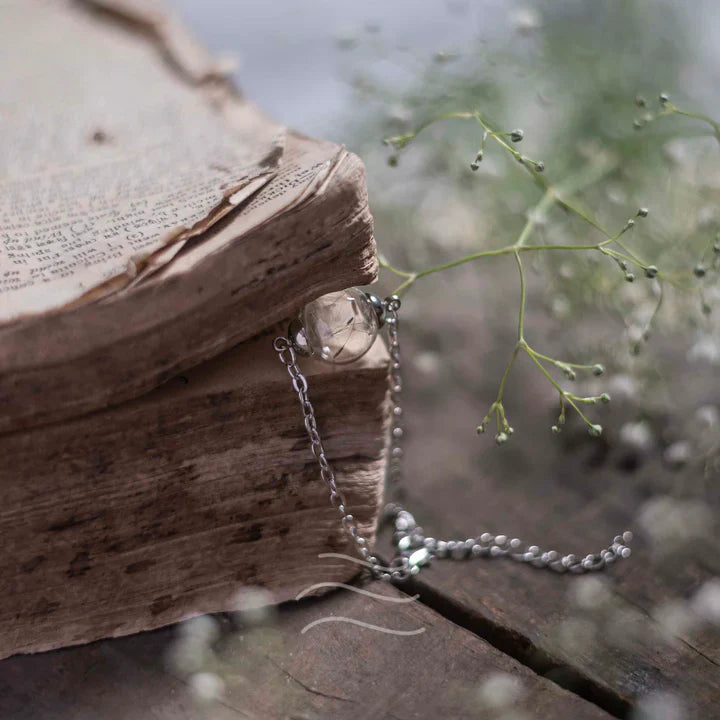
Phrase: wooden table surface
(485, 638)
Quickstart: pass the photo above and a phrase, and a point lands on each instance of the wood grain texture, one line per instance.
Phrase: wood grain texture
(572, 494)
(163, 507)
(273, 671)
(63, 364)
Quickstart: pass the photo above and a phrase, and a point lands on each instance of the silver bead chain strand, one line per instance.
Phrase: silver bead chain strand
(409, 539)
(414, 550)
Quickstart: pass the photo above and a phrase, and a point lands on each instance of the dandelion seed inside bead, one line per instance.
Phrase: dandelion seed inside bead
(340, 327)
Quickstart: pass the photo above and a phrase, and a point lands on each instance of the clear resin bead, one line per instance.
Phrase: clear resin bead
(340, 327)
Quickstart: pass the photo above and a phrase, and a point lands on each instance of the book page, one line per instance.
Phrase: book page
(308, 165)
(108, 155)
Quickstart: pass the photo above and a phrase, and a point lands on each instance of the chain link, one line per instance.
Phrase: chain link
(413, 549)
(410, 540)
(288, 357)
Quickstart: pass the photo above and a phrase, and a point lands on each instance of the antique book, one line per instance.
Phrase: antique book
(150, 220)
(148, 213)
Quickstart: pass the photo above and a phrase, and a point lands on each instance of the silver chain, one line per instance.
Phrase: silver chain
(413, 549)
(288, 357)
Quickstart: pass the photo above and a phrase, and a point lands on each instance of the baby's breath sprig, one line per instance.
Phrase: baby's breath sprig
(399, 142)
(612, 246)
(664, 108)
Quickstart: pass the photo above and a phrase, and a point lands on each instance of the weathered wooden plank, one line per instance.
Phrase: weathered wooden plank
(573, 494)
(161, 508)
(274, 671)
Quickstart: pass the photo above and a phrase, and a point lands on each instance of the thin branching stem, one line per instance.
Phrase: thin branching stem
(562, 195)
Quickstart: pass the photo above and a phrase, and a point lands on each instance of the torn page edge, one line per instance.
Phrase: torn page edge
(314, 187)
(146, 266)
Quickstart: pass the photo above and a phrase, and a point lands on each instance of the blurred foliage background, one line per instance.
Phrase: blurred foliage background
(568, 74)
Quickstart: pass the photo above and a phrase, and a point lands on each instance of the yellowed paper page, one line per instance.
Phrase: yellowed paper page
(108, 154)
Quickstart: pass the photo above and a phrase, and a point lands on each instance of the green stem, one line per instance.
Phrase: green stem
(523, 298)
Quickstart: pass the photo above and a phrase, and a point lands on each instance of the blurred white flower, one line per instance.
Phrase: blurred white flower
(253, 605)
(203, 629)
(705, 349)
(526, 20)
(428, 362)
(637, 435)
(590, 593)
(708, 415)
(498, 690)
(706, 602)
(675, 619)
(670, 520)
(659, 706)
(622, 386)
(678, 454)
(206, 686)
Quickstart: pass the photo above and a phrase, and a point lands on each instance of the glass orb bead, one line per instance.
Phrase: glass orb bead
(341, 326)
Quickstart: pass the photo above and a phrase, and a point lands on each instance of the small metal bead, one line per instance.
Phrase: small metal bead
(486, 538)
(397, 452)
(478, 550)
(500, 540)
(534, 550)
(625, 552)
(515, 543)
(459, 552)
(627, 536)
(405, 521)
(441, 549)
(496, 551)
(430, 543)
(397, 411)
(405, 543)
(419, 557)
(397, 432)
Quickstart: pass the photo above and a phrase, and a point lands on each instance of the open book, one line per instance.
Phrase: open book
(144, 203)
